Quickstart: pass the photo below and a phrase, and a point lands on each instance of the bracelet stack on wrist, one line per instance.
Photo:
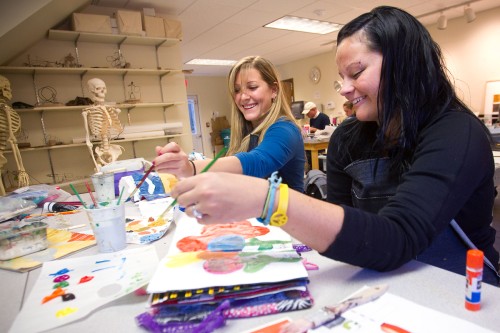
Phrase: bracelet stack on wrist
(278, 218)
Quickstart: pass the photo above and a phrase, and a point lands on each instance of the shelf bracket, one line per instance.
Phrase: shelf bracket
(35, 88)
(76, 50)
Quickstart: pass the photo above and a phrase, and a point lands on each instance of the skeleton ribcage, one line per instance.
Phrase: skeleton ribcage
(103, 122)
(4, 125)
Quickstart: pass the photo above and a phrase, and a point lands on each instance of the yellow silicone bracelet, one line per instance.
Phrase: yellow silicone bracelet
(279, 217)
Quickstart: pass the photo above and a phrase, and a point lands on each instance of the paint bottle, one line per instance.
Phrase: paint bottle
(474, 276)
(58, 207)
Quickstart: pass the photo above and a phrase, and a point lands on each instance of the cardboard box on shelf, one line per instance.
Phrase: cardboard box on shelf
(173, 28)
(218, 124)
(91, 23)
(153, 26)
(129, 22)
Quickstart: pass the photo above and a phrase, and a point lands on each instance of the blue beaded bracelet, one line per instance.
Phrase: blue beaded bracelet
(274, 183)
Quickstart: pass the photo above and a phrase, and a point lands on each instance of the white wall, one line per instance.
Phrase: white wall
(472, 54)
(213, 100)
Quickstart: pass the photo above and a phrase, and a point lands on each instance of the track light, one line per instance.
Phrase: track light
(469, 13)
(442, 22)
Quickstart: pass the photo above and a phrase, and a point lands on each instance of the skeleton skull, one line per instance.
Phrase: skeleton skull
(5, 90)
(98, 90)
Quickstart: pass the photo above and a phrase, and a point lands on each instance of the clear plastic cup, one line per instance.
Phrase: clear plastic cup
(108, 224)
(104, 186)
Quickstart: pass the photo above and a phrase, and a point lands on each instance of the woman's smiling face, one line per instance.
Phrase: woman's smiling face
(360, 68)
(253, 95)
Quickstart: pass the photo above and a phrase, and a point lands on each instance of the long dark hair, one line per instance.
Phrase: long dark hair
(414, 83)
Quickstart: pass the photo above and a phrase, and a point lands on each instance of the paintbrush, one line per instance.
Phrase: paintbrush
(78, 195)
(141, 182)
(209, 165)
(96, 205)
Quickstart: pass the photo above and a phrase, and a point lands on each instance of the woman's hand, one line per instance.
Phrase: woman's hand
(221, 197)
(171, 159)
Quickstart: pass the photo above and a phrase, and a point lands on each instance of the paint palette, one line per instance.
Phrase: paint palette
(19, 240)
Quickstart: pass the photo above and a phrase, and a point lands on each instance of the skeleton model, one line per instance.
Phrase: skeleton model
(10, 125)
(101, 121)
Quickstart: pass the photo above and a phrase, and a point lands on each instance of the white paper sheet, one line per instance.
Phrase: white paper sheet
(395, 310)
(93, 280)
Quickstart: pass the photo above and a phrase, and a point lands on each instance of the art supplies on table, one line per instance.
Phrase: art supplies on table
(108, 225)
(331, 315)
(144, 230)
(390, 313)
(192, 281)
(60, 244)
(221, 153)
(20, 239)
(69, 289)
(104, 186)
(12, 207)
(139, 184)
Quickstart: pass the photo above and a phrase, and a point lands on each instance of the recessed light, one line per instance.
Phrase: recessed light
(304, 25)
(211, 62)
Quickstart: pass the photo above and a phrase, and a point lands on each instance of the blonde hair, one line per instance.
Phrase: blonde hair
(240, 127)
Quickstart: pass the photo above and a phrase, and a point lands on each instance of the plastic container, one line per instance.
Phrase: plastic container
(17, 241)
(226, 136)
(108, 225)
(12, 207)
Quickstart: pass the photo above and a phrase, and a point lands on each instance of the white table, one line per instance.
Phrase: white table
(426, 285)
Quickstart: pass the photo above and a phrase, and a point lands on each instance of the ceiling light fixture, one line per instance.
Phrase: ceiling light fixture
(469, 13)
(211, 62)
(301, 24)
(442, 22)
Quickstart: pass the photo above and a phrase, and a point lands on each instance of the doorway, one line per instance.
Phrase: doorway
(288, 90)
(194, 120)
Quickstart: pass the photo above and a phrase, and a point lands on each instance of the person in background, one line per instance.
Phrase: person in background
(264, 134)
(348, 112)
(349, 109)
(318, 120)
(391, 196)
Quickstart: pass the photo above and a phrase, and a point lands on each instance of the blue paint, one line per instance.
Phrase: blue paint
(227, 243)
(102, 261)
(61, 272)
(101, 269)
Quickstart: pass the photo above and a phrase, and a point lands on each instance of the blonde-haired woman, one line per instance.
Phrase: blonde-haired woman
(264, 134)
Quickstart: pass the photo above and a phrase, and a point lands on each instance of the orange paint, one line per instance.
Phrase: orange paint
(209, 232)
(389, 328)
(58, 292)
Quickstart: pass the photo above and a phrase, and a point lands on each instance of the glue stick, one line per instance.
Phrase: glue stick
(474, 276)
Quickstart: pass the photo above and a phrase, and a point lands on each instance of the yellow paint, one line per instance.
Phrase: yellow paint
(64, 312)
(183, 259)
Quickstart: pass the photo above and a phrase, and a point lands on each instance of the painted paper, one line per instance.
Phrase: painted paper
(70, 289)
(267, 256)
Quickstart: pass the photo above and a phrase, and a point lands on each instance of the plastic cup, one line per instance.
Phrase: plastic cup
(104, 186)
(108, 224)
